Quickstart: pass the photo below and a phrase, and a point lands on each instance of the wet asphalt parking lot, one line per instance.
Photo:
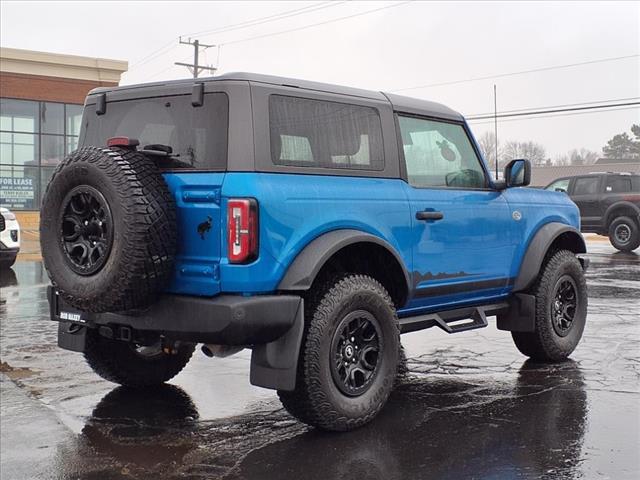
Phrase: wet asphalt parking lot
(469, 405)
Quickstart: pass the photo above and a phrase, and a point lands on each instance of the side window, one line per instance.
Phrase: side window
(618, 184)
(559, 185)
(317, 133)
(586, 186)
(439, 154)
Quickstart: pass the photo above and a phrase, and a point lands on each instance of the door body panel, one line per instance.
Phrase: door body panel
(585, 193)
(466, 256)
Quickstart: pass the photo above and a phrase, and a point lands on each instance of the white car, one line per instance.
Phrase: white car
(9, 238)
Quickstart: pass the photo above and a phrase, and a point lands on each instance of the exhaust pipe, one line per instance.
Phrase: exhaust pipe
(220, 351)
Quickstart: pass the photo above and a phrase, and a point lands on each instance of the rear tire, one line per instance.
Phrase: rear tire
(349, 356)
(561, 310)
(121, 362)
(624, 234)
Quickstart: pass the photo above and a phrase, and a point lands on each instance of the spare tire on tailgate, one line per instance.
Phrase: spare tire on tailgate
(107, 229)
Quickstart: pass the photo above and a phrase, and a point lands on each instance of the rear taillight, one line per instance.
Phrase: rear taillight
(242, 230)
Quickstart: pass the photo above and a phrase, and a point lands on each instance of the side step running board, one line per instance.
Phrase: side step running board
(453, 321)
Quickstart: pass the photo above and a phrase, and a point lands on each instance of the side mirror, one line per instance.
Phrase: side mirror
(558, 189)
(517, 173)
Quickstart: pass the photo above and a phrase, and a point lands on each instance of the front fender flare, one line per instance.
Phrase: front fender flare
(538, 248)
(305, 267)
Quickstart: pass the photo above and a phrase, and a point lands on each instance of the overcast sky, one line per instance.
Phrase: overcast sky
(409, 44)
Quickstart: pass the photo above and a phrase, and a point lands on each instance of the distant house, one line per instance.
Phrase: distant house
(543, 176)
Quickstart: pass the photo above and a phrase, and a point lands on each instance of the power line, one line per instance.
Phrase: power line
(484, 122)
(271, 18)
(491, 114)
(233, 42)
(521, 72)
(552, 110)
(154, 54)
(246, 24)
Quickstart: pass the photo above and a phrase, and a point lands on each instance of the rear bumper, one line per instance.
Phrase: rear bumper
(224, 320)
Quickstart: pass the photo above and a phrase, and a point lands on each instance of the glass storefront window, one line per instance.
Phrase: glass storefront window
(19, 115)
(72, 144)
(45, 176)
(18, 149)
(34, 138)
(52, 150)
(74, 119)
(52, 117)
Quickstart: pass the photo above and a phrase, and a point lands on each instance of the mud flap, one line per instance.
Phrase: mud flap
(274, 365)
(72, 336)
(521, 315)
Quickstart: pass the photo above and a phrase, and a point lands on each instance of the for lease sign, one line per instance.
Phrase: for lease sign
(17, 192)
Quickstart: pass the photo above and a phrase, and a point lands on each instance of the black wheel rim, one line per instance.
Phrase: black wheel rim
(356, 351)
(564, 305)
(86, 230)
(622, 233)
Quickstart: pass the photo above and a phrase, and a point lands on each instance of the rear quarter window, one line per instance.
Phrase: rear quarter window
(323, 134)
(618, 184)
(196, 135)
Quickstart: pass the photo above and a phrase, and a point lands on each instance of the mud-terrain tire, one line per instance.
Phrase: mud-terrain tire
(624, 234)
(560, 284)
(127, 364)
(108, 230)
(350, 310)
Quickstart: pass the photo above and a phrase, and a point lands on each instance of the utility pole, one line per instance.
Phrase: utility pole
(495, 123)
(195, 68)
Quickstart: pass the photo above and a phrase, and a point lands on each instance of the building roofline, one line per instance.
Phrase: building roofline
(30, 62)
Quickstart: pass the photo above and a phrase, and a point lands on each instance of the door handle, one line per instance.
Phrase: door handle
(429, 215)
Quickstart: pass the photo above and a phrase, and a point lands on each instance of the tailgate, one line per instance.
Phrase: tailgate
(197, 196)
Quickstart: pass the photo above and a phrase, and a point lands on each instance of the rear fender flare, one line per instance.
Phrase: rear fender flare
(305, 267)
(608, 215)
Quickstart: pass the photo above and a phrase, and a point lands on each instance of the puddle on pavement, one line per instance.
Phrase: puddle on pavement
(470, 406)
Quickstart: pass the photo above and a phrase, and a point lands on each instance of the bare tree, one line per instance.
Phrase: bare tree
(582, 157)
(532, 151)
(488, 146)
(577, 157)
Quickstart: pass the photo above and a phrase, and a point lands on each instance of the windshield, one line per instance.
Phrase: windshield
(197, 135)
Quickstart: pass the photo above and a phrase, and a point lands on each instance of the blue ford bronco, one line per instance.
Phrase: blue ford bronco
(308, 222)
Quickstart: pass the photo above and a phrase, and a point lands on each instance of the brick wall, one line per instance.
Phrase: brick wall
(52, 89)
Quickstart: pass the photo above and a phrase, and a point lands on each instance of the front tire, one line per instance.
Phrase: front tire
(349, 356)
(561, 310)
(624, 234)
(132, 365)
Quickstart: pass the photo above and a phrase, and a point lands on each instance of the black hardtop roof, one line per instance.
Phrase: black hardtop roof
(399, 102)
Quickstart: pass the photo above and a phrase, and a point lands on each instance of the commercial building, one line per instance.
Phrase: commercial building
(41, 98)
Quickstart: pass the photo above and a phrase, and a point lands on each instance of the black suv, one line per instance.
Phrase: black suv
(609, 205)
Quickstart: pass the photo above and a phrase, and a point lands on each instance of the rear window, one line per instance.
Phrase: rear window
(196, 135)
(321, 134)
